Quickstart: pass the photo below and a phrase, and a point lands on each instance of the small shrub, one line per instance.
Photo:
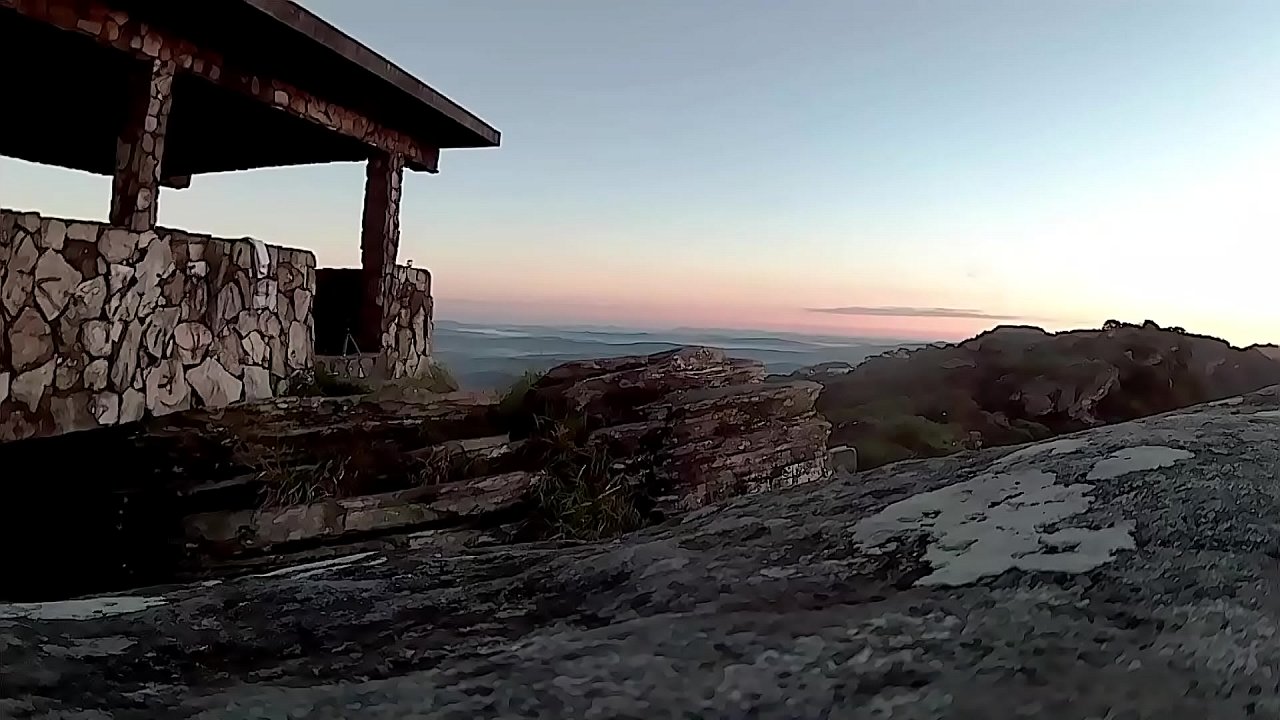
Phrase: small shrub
(435, 467)
(284, 483)
(511, 403)
(283, 486)
(583, 493)
(443, 464)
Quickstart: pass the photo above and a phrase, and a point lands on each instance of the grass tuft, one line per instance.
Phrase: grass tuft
(512, 401)
(583, 493)
(283, 486)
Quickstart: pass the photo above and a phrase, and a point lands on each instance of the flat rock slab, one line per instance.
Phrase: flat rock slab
(1127, 572)
(248, 531)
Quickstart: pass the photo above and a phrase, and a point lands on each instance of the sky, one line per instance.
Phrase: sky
(876, 167)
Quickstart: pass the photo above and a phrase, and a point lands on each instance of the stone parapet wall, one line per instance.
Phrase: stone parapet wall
(400, 348)
(406, 339)
(100, 325)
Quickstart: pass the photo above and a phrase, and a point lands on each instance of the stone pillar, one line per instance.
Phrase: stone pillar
(140, 147)
(379, 243)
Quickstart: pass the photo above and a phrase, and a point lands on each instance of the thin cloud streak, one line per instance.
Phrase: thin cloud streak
(913, 312)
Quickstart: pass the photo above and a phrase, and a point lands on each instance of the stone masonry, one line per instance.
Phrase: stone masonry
(176, 320)
(114, 28)
(136, 184)
(406, 337)
(379, 243)
(100, 325)
(402, 346)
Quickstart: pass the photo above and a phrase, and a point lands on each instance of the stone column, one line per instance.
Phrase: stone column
(379, 243)
(140, 147)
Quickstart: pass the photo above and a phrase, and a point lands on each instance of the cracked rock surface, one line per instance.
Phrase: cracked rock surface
(1124, 572)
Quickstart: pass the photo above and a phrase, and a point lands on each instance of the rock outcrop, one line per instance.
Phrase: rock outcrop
(697, 423)
(617, 443)
(1125, 571)
(1018, 384)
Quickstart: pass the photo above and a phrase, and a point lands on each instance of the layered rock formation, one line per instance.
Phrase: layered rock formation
(697, 423)
(1126, 571)
(256, 485)
(1016, 384)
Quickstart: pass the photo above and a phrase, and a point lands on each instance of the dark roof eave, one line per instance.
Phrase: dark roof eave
(303, 21)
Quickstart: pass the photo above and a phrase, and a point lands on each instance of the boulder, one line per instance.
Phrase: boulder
(1124, 571)
(699, 446)
(611, 391)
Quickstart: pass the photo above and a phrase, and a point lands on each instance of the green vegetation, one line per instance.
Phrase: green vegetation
(374, 468)
(582, 493)
(511, 404)
(283, 485)
(895, 429)
(441, 464)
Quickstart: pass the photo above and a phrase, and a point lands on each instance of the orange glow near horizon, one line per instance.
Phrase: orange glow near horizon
(702, 315)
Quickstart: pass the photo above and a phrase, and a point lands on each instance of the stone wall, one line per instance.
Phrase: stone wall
(406, 339)
(100, 325)
(402, 346)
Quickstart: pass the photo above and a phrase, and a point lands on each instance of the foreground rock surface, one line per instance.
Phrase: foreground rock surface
(1127, 571)
(208, 493)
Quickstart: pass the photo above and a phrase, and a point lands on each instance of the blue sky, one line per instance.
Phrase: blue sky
(744, 162)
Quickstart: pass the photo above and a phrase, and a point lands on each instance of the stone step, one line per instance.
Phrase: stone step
(473, 457)
(238, 532)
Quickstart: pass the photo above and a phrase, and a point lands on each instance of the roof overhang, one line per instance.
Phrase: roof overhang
(68, 100)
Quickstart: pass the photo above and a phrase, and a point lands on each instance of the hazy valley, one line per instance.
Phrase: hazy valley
(483, 357)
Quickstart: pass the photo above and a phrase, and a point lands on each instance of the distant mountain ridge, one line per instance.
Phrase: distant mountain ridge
(1016, 384)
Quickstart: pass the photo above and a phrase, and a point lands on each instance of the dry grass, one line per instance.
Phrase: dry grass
(285, 486)
(284, 483)
(443, 464)
(583, 494)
